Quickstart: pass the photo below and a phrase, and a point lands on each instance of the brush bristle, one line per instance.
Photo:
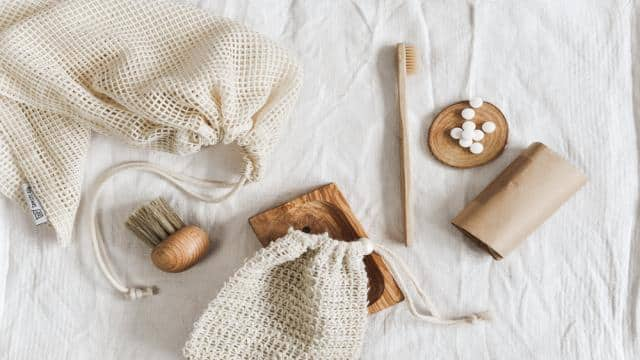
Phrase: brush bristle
(154, 222)
(410, 59)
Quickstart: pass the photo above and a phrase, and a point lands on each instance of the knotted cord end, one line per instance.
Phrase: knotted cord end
(141, 292)
(480, 316)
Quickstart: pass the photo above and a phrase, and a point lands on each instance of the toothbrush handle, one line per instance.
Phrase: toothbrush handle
(405, 177)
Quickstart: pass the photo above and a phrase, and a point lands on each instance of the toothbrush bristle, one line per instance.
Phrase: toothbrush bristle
(411, 61)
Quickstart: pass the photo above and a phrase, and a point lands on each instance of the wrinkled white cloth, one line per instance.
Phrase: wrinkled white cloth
(560, 70)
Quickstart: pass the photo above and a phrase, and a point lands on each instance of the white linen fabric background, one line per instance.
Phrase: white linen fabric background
(564, 72)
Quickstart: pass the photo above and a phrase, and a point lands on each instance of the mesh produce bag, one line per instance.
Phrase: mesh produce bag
(153, 74)
(302, 297)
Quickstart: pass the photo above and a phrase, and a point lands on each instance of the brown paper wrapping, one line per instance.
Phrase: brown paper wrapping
(519, 200)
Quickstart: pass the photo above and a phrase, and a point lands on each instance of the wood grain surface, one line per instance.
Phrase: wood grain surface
(181, 250)
(405, 66)
(326, 210)
(446, 149)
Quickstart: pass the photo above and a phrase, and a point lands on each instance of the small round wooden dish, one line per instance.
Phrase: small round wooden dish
(447, 150)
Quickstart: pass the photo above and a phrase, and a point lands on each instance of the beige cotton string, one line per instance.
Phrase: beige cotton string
(396, 264)
(180, 181)
(153, 74)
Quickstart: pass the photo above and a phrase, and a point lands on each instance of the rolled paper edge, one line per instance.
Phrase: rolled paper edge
(476, 240)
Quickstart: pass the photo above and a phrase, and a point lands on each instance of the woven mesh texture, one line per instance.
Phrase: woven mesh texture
(302, 297)
(154, 74)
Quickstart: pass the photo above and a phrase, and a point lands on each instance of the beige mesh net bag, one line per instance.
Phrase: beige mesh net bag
(302, 297)
(153, 74)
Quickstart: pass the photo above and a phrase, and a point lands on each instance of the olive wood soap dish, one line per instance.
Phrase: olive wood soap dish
(326, 210)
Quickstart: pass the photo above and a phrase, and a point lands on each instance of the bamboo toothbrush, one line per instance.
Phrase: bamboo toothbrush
(407, 65)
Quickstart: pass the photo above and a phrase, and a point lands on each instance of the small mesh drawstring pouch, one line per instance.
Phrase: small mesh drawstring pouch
(153, 74)
(304, 296)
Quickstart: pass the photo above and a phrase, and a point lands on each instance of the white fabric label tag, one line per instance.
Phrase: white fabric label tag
(39, 217)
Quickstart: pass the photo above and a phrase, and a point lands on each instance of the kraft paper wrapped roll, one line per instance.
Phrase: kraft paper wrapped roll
(519, 200)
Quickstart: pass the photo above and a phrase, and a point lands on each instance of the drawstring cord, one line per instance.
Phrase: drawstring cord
(396, 264)
(180, 181)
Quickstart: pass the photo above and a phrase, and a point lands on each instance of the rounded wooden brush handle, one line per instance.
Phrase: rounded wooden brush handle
(181, 250)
